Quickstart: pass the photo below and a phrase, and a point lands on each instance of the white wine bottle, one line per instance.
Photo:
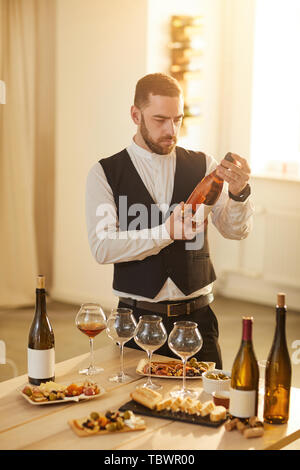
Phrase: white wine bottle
(244, 377)
(41, 353)
(278, 373)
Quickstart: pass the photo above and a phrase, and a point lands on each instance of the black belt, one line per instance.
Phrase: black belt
(172, 309)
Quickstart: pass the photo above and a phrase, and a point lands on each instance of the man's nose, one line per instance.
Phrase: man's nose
(171, 127)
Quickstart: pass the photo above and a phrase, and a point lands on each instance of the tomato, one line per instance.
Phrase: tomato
(89, 391)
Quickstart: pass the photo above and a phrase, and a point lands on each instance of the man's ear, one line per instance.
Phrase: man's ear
(135, 114)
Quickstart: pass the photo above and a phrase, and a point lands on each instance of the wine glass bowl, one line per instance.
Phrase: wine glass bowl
(91, 321)
(121, 326)
(150, 335)
(185, 340)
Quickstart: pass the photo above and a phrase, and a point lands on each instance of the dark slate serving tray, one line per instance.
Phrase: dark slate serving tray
(168, 414)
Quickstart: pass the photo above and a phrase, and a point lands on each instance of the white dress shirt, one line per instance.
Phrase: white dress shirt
(108, 244)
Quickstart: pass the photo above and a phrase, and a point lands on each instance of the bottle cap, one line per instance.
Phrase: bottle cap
(281, 299)
(247, 328)
(41, 282)
(229, 157)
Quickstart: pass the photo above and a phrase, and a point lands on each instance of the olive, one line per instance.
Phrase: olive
(111, 427)
(94, 415)
(52, 396)
(120, 423)
(88, 424)
(127, 414)
(28, 391)
(193, 362)
(211, 376)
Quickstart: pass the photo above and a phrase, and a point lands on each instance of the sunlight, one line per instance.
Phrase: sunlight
(275, 137)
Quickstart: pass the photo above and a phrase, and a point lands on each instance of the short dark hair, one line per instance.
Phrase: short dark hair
(156, 84)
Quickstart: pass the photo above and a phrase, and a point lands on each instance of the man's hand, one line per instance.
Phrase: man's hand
(236, 174)
(182, 227)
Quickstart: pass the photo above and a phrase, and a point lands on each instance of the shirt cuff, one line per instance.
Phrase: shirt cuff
(161, 234)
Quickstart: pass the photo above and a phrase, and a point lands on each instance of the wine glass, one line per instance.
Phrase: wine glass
(91, 320)
(150, 334)
(120, 328)
(185, 340)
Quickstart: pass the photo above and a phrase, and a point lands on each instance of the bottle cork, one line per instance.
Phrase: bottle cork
(281, 300)
(41, 282)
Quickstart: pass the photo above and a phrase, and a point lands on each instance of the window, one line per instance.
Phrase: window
(275, 133)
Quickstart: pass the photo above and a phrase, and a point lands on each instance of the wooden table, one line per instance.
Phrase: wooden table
(24, 426)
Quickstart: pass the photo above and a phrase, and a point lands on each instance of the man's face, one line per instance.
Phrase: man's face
(160, 123)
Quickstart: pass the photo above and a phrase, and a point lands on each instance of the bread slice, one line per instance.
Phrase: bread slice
(207, 407)
(147, 397)
(218, 413)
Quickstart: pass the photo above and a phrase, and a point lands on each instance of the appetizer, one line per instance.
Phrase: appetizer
(52, 391)
(155, 401)
(110, 422)
(175, 368)
(217, 376)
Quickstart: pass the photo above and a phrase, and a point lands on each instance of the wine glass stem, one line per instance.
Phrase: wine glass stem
(149, 381)
(122, 358)
(91, 353)
(183, 374)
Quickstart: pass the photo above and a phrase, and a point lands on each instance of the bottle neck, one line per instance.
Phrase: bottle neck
(215, 176)
(40, 302)
(247, 331)
(280, 325)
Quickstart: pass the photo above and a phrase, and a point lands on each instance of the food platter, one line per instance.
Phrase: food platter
(90, 425)
(137, 408)
(140, 370)
(79, 397)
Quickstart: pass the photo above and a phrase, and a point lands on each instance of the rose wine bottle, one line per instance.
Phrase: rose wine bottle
(40, 353)
(209, 189)
(278, 371)
(244, 377)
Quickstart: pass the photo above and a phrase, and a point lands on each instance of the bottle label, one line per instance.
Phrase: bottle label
(41, 363)
(242, 403)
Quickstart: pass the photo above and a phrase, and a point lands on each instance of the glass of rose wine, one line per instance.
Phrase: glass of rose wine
(91, 321)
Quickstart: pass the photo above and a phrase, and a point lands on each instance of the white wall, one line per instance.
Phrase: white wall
(100, 47)
(203, 135)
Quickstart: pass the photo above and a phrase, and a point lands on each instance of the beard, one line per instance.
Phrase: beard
(156, 147)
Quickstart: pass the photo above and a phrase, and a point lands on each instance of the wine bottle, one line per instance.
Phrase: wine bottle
(40, 353)
(244, 377)
(209, 189)
(278, 371)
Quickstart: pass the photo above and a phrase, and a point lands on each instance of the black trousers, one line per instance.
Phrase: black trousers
(207, 325)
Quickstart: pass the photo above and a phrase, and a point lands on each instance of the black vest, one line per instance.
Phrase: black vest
(190, 269)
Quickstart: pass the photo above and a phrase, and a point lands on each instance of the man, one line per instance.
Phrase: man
(134, 203)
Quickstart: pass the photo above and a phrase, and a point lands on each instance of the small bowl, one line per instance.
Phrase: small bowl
(221, 398)
(214, 385)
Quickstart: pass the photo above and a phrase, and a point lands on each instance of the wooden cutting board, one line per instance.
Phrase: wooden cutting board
(83, 433)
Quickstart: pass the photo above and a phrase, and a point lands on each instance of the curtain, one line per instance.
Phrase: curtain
(26, 148)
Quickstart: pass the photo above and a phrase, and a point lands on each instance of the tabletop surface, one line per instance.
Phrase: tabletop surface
(25, 426)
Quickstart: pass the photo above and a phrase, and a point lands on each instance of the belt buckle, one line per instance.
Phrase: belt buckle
(188, 309)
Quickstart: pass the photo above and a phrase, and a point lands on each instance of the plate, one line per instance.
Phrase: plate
(137, 408)
(64, 400)
(143, 362)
